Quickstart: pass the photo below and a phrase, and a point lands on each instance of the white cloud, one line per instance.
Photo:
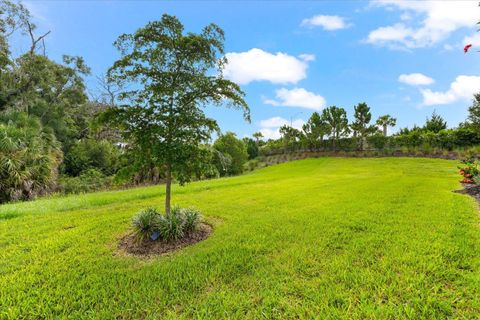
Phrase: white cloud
(463, 88)
(277, 122)
(259, 65)
(473, 39)
(384, 35)
(270, 133)
(448, 47)
(439, 19)
(329, 23)
(307, 57)
(270, 127)
(297, 97)
(415, 79)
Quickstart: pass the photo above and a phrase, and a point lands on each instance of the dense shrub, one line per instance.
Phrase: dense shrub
(465, 137)
(29, 157)
(92, 154)
(89, 181)
(378, 141)
(251, 165)
(179, 223)
(230, 146)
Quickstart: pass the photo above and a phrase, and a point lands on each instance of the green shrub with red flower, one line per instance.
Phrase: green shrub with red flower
(470, 171)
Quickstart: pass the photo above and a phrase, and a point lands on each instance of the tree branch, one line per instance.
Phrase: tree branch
(37, 40)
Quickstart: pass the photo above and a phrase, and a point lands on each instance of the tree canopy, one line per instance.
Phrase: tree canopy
(361, 125)
(315, 129)
(435, 123)
(386, 121)
(336, 118)
(173, 75)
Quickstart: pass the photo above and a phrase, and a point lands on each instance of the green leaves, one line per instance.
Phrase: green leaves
(361, 126)
(172, 76)
(435, 123)
(315, 129)
(29, 157)
(233, 154)
(337, 121)
(386, 121)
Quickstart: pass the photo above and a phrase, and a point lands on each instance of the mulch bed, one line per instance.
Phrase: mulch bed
(131, 245)
(470, 189)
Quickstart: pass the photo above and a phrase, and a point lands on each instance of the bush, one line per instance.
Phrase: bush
(90, 153)
(181, 222)
(235, 149)
(251, 165)
(172, 226)
(89, 181)
(465, 137)
(191, 219)
(469, 171)
(378, 141)
(147, 223)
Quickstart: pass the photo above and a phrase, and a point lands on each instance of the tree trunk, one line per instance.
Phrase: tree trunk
(168, 188)
(385, 130)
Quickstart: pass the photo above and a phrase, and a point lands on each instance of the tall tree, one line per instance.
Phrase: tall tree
(435, 123)
(315, 129)
(257, 136)
(337, 120)
(15, 73)
(290, 137)
(361, 125)
(252, 147)
(386, 121)
(174, 75)
(473, 118)
(236, 149)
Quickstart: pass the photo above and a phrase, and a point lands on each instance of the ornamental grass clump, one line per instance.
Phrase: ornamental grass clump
(191, 218)
(146, 223)
(180, 223)
(172, 226)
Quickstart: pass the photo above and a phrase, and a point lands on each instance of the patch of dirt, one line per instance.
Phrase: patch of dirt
(145, 248)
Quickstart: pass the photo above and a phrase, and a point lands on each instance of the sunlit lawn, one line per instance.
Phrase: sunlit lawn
(318, 238)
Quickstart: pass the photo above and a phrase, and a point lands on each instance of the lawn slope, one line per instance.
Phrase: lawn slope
(317, 238)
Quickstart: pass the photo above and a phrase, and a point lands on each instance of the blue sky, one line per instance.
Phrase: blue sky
(293, 58)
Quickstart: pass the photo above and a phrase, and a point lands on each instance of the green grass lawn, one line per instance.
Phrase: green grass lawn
(318, 238)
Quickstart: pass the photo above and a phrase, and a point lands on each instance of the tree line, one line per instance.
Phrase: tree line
(330, 130)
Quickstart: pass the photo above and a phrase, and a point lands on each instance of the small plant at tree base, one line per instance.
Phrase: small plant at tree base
(469, 171)
(172, 225)
(147, 223)
(191, 219)
(181, 222)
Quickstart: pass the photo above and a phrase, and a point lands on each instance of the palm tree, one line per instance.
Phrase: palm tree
(257, 136)
(386, 121)
(29, 157)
